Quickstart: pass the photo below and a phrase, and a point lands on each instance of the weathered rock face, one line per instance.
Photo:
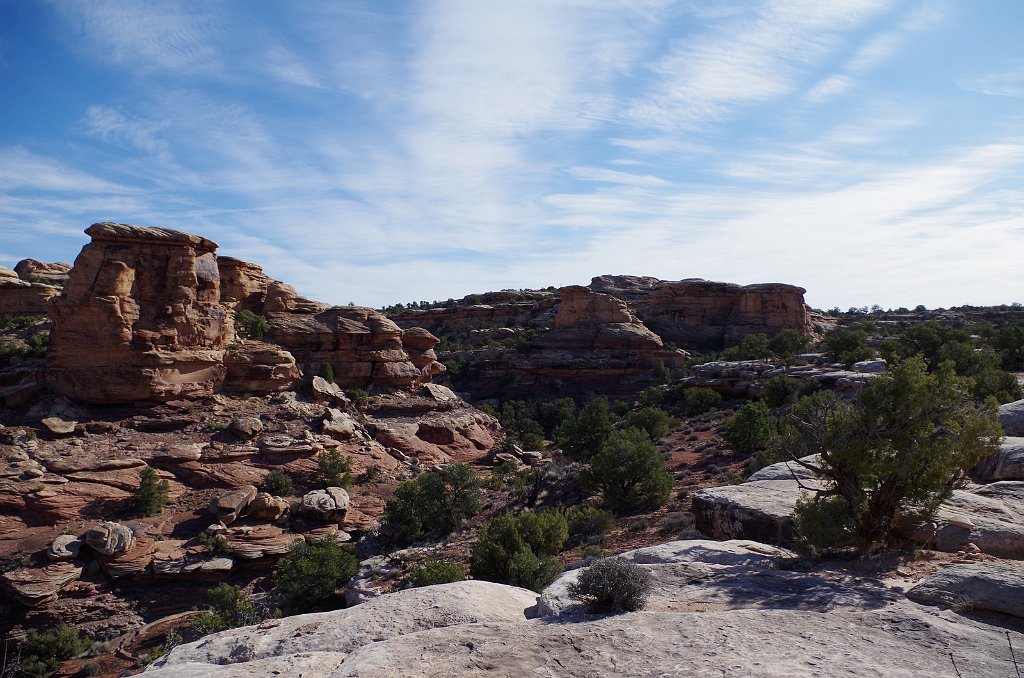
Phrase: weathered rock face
(495, 309)
(715, 314)
(18, 297)
(242, 284)
(140, 318)
(260, 368)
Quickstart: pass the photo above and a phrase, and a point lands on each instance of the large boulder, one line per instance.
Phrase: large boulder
(139, 319)
(109, 539)
(36, 586)
(260, 368)
(328, 504)
(229, 506)
(55, 273)
(1011, 416)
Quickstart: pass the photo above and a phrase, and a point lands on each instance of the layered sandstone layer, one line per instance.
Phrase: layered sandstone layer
(139, 318)
(21, 297)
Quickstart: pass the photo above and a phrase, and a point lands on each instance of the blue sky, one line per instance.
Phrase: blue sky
(871, 151)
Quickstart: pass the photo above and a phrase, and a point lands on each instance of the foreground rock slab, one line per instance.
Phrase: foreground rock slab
(998, 587)
(474, 628)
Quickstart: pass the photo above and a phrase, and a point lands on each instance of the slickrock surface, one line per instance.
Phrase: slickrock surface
(722, 609)
(140, 318)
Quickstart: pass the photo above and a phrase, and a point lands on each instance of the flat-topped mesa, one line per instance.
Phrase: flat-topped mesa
(139, 318)
(710, 314)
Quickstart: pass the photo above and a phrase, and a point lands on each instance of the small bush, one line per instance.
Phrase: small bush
(700, 399)
(43, 652)
(326, 371)
(250, 325)
(751, 429)
(151, 495)
(612, 585)
(230, 607)
(279, 484)
(358, 396)
(435, 571)
(588, 523)
(312, 571)
(217, 544)
(334, 469)
(822, 524)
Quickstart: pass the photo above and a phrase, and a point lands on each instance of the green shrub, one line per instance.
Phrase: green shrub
(751, 429)
(612, 585)
(519, 550)
(279, 484)
(436, 502)
(751, 347)
(904, 447)
(700, 399)
(629, 472)
(43, 652)
(787, 343)
(589, 523)
(654, 420)
(326, 372)
(822, 524)
(583, 436)
(435, 571)
(250, 325)
(312, 571)
(334, 469)
(847, 346)
(151, 494)
(358, 396)
(229, 607)
(781, 390)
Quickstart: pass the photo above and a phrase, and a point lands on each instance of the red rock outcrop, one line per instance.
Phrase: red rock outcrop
(714, 314)
(21, 297)
(242, 285)
(140, 318)
(259, 367)
(496, 309)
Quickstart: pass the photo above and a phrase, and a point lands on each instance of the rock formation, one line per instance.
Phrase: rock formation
(55, 274)
(21, 297)
(713, 314)
(140, 318)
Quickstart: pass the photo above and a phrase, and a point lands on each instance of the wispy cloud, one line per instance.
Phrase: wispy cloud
(747, 59)
(1006, 83)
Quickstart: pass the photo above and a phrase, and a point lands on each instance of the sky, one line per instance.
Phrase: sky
(870, 151)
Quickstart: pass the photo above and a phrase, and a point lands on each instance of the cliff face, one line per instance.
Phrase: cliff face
(140, 318)
(709, 314)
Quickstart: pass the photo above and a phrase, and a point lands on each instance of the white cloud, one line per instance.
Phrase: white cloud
(1006, 83)
(21, 169)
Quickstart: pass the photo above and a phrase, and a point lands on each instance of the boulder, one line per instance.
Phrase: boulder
(139, 319)
(339, 425)
(109, 539)
(328, 504)
(58, 426)
(328, 393)
(997, 587)
(64, 547)
(1006, 464)
(229, 506)
(759, 510)
(1011, 416)
(267, 507)
(245, 427)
